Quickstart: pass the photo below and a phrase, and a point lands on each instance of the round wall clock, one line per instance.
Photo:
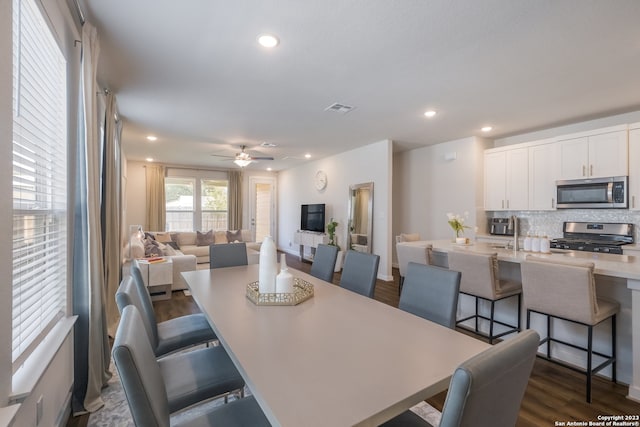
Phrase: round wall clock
(321, 180)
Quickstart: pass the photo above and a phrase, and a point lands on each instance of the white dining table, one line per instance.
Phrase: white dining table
(336, 359)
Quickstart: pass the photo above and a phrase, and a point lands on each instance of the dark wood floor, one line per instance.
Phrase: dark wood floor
(553, 394)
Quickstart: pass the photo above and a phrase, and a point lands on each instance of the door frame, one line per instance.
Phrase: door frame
(253, 180)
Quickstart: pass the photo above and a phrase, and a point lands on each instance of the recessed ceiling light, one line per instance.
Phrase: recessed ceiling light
(152, 138)
(486, 129)
(307, 156)
(268, 40)
(149, 159)
(269, 169)
(430, 113)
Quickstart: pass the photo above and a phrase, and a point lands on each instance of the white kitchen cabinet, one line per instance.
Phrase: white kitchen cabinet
(634, 167)
(594, 156)
(506, 179)
(543, 173)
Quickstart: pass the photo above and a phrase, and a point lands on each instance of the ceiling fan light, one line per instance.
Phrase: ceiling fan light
(242, 162)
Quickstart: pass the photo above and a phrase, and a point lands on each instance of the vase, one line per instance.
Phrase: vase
(268, 266)
(284, 280)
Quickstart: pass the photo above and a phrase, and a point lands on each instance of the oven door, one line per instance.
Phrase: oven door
(598, 193)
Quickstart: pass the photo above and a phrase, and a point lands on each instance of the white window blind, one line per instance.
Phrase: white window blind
(39, 180)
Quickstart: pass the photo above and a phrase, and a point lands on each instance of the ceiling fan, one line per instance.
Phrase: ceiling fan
(243, 158)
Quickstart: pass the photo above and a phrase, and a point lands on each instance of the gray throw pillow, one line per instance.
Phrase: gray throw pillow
(204, 239)
(234, 236)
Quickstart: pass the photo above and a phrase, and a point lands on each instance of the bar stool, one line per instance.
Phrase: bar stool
(481, 280)
(567, 291)
(414, 251)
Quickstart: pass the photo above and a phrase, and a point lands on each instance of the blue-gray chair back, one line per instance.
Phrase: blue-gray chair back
(486, 390)
(431, 293)
(132, 291)
(139, 371)
(228, 255)
(324, 262)
(359, 272)
(146, 392)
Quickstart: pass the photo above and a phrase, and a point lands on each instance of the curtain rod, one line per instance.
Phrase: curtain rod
(79, 11)
(170, 166)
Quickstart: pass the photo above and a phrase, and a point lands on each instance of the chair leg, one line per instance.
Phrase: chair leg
(400, 285)
(518, 313)
(477, 312)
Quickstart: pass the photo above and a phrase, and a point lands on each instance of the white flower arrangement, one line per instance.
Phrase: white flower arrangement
(457, 222)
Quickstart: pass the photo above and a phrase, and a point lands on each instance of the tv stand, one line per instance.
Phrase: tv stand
(310, 239)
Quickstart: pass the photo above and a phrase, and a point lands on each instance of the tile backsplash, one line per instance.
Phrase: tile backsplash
(549, 223)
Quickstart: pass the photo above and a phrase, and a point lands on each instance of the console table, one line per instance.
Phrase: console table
(158, 277)
(310, 239)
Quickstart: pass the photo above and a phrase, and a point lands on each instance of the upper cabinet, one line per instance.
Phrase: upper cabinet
(543, 173)
(506, 179)
(634, 166)
(597, 155)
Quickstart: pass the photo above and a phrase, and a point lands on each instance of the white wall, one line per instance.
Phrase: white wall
(432, 181)
(372, 163)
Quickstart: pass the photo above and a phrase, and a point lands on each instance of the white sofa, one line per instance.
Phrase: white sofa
(195, 243)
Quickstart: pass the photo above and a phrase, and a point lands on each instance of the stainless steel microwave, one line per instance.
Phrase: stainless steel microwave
(596, 193)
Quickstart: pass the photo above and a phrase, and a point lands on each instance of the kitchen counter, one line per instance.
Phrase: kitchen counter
(618, 277)
(622, 266)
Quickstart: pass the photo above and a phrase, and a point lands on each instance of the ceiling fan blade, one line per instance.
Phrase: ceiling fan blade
(262, 158)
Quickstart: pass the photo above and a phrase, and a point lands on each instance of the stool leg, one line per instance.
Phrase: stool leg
(493, 303)
(613, 347)
(589, 356)
(477, 313)
(518, 313)
(548, 336)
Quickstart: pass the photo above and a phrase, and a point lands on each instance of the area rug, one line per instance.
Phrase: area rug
(115, 412)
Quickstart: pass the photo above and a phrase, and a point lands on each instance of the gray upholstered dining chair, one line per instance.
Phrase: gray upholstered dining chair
(413, 251)
(486, 390)
(431, 293)
(359, 272)
(153, 388)
(170, 335)
(566, 291)
(481, 280)
(227, 255)
(324, 262)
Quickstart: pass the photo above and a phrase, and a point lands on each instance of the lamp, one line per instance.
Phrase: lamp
(242, 162)
(135, 231)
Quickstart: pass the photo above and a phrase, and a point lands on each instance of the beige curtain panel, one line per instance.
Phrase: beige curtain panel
(235, 200)
(156, 203)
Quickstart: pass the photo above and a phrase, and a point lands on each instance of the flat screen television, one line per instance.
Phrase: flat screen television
(312, 218)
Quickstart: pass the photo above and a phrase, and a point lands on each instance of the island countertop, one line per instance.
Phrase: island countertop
(623, 266)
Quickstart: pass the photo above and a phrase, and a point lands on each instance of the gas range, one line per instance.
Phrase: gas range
(594, 237)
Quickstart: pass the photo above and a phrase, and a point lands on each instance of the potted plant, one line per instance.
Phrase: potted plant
(333, 241)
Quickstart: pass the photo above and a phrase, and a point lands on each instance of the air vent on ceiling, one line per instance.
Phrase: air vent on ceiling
(339, 108)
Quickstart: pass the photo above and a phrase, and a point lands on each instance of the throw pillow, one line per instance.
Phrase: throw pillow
(174, 241)
(163, 237)
(220, 237)
(151, 248)
(234, 236)
(148, 235)
(174, 245)
(204, 239)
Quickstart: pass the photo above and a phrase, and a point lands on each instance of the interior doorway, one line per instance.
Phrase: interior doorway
(262, 205)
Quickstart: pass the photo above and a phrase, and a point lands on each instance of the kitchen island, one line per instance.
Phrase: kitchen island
(617, 278)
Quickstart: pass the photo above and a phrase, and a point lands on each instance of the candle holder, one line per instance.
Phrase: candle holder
(302, 291)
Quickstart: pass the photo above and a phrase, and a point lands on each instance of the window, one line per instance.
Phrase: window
(179, 203)
(196, 204)
(39, 180)
(213, 199)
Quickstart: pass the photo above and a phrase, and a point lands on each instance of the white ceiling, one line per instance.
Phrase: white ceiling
(192, 73)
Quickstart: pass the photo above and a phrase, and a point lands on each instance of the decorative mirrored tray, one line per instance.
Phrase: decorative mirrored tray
(302, 291)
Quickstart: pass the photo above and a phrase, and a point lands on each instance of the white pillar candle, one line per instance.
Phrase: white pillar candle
(284, 280)
(268, 268)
